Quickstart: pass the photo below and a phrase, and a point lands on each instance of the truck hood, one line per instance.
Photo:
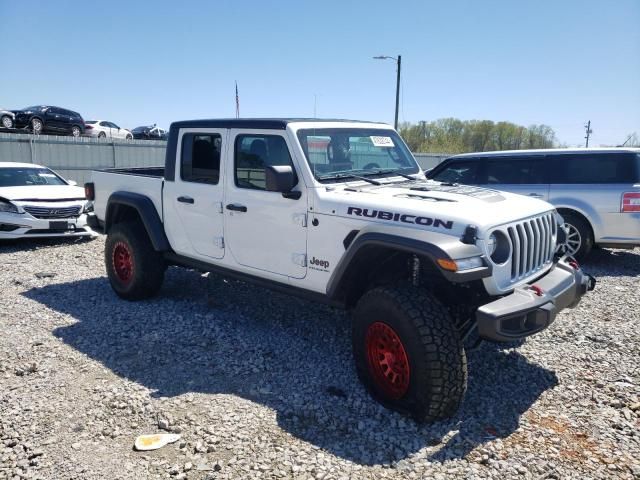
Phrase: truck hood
(430, 205)
(43, 193)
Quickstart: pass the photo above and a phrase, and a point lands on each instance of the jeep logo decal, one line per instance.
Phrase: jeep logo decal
(322, 264)
(400, 217)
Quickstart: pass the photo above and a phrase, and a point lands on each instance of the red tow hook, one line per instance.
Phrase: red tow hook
(537, 290)
(574, 264)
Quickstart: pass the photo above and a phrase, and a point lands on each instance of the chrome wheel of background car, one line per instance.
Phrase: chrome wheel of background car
(129, 137)
(102, 135)
(75, 131)
(573, 242)
(7, 121)
(36, 125)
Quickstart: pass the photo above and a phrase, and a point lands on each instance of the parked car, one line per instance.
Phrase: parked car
(150, 132)
(597, 191)
(37, 202)
(339, 212)
(7, 118)
(43, 119)
(105, 129)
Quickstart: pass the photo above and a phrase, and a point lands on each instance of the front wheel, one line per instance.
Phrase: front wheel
(408, 353)
(134, 268)
(7, 121)
(579, 240)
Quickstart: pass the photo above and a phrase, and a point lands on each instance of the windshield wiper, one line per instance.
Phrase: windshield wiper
(349, 175)
(394, 171)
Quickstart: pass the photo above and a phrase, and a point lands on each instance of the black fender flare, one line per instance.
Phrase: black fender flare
(433, 252)
(147, 212)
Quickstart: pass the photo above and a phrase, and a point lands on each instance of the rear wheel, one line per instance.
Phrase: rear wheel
(134, 268)
(579, 237)
(102, 135)
(75, 131)
(36, 126)
(408, 353)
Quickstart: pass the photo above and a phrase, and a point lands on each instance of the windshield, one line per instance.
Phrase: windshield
(37, 107)
(334, 153)
(141, 129)
(27, 176)
(91, 122)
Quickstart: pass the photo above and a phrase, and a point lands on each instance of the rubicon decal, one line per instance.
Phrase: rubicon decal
(400, 217)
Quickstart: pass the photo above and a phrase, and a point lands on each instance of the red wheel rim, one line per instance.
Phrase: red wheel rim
(388, 361)
(122, 262)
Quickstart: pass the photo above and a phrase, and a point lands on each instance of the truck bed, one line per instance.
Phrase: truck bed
(146, 181)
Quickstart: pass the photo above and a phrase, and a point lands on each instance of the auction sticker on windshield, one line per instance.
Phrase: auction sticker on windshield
(382, 141)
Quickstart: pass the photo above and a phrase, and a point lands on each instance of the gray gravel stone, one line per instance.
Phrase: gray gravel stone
(261, 385)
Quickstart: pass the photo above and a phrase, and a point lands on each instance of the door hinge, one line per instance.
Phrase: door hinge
(219, 207)
(219, 242)
(300, 219)
(300, 259)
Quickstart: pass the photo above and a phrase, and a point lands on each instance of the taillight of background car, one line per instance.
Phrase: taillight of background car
(630, 202)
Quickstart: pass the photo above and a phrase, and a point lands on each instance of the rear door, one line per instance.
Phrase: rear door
(193, 201)
(522, 174)
(599, 185)
(54, 119)
(264, 230)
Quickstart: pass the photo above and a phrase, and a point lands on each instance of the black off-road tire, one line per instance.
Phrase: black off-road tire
(147, 267)
(437, 363)
(577, 225)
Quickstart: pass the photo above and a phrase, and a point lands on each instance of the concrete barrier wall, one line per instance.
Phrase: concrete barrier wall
(74, 158)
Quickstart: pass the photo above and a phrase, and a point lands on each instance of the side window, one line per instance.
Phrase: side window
(515, 170)
(253, 153)
(200, 159)
(463, 171)
(592, 168)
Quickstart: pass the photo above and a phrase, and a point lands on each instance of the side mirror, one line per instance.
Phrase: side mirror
(280, 178)
(73, 183)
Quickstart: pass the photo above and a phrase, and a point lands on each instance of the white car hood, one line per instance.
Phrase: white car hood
(43, 193)
(459, 204)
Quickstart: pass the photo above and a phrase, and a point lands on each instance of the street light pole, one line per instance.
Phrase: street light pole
(399, 65)
(395, 124)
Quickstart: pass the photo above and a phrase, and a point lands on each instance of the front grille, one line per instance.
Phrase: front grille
(533, 244)
(53, 212)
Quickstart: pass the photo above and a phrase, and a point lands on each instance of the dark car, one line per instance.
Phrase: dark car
(151, 132)
(42, 119)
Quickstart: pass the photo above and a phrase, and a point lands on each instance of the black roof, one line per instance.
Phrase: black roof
(257, 123)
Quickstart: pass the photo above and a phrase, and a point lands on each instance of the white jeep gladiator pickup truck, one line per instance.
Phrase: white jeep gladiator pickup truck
(339, 212)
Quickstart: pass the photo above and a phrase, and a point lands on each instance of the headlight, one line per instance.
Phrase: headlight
(492, 243)
(499, 247)
(8, 207)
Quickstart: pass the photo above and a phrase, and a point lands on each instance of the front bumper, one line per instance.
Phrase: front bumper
(14, 226)
(532, 308)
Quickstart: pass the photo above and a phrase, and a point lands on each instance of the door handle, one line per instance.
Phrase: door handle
(535, 195)
(186, 200)
(236, 208)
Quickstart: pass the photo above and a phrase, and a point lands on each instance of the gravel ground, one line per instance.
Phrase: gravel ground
(263, 386)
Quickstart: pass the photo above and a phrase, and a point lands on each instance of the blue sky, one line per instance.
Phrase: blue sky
(555, 62)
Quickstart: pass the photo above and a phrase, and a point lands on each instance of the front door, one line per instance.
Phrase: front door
(193, 201)
(524, 175)
(264, 230)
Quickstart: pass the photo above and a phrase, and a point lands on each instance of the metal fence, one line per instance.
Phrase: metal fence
(74, 158)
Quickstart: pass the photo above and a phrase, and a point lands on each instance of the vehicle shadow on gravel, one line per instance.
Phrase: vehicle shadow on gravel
(218, 337)
(612, 263)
